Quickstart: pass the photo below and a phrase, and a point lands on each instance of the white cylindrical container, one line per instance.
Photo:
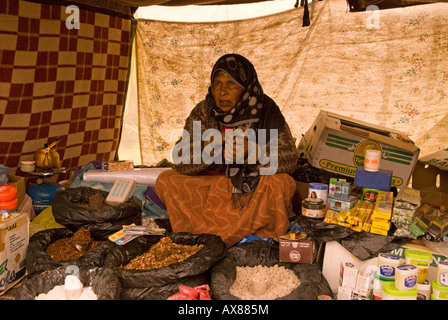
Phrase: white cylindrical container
(372, 160)
(387, 264)
(424, 291)
(442, 273)
(318, 190)
(406, 277)
(28, 165)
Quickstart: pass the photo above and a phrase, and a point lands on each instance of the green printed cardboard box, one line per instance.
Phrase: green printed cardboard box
(337, 144)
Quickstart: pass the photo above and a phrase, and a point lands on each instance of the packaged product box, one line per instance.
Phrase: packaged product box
(339, 204)
(337, 144)
(14, 239)
(302, 250)
(348, 275)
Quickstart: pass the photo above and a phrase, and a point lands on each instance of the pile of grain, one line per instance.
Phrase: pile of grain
(73, 247)
(278, 281)
(163, 253)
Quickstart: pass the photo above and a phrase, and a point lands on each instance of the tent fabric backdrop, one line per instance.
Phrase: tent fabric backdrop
(63, 83)
(394, 75)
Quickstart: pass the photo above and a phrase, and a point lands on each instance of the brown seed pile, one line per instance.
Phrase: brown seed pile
(73, 247)
(163, 253)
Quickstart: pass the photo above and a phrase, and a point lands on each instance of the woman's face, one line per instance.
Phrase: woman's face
(226, 92)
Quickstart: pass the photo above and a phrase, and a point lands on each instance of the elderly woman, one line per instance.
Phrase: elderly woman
(232, 164)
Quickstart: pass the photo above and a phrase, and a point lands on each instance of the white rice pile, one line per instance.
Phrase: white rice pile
(275, 282)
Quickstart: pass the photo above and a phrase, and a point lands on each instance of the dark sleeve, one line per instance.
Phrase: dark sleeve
(287, 155)
(194, 166)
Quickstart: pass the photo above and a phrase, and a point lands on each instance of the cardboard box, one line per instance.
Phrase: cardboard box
(14, 239)
(297, 251)
(337, 144)
(19, 183)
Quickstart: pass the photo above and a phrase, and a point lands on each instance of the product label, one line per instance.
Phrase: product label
(422, 296)
(387, 271)
(313, 213)
(410, 281)
(443, 279)
(420, 263)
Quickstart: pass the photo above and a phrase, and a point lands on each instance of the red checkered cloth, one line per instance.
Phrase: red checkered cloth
(57, 82)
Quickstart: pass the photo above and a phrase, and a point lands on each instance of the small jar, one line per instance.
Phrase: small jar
(421, 259)
(318, 190)
(28, 165)
(314, 208)
(387, 264)
(406, 277)
(372, 160)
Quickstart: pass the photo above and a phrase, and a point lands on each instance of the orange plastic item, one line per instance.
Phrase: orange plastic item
(10, 205)
(7, 193)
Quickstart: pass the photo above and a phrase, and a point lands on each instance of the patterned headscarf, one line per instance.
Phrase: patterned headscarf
(254, 109)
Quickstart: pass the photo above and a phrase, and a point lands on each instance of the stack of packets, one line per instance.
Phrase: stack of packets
(366, 215)
(405, 207)
(117, 165)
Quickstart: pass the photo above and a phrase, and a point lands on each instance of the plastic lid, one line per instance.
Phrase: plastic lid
(407, 268)
(389, 256)
(28, 161)
(418, 254)
(439, 287)
(318, 186)
(373, 152)
(389, 288)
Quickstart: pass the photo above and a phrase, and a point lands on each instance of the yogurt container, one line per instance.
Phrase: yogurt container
(439, 292)
(406, 277)
(442, 273)
(387, 264)
(420, 259)
(390, 292)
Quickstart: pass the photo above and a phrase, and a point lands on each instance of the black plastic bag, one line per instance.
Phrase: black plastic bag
(160, 283)
(104, 282)
(37, 260)
(366, 245)
(258, 252)
(363, 245)
(322, 231)
(101, 223)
